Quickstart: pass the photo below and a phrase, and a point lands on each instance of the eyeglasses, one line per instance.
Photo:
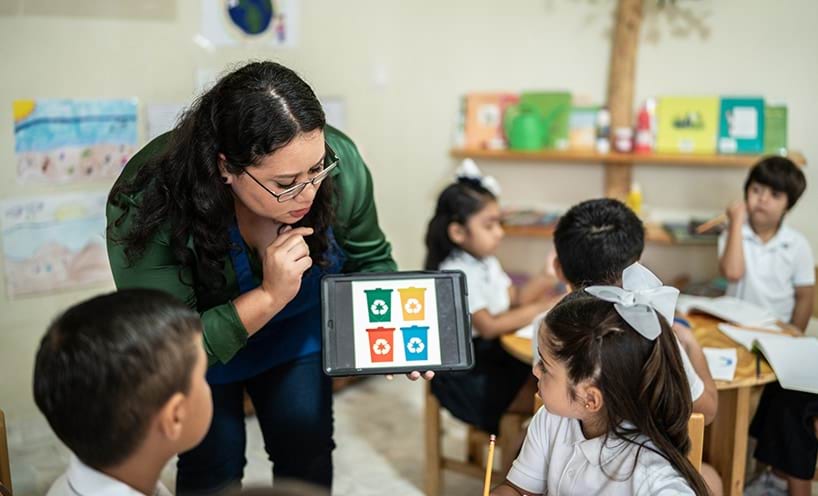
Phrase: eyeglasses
(293, 191)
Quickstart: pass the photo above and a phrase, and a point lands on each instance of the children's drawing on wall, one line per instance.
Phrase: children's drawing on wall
(61, 141)
(395, 323)
(236, 22)
(54, 243)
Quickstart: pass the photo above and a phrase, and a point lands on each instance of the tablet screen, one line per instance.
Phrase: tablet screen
(378, 323)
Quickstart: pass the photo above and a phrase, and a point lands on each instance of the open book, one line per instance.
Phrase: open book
(727, 308)
(794, 359)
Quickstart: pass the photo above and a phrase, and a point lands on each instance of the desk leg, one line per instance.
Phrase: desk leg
(727, 440)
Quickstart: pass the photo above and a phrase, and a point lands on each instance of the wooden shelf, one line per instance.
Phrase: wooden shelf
(590, 157)
(654, 234)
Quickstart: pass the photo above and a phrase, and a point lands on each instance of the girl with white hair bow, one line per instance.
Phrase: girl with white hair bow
(616, 399)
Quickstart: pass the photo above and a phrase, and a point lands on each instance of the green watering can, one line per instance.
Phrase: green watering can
(526, 128)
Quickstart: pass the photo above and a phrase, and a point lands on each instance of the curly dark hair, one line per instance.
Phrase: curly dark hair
(247, 115)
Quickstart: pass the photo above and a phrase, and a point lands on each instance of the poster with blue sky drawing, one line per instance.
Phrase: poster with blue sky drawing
(54, 243)
(395, 323)
(60, 141)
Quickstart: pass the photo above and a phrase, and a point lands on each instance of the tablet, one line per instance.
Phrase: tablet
(395, 322)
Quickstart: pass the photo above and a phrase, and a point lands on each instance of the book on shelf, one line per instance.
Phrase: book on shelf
(582, 128)
(483, 121)
(530, 217)
(775, 128)
(741, 125)
(791, 358)
(687, 124)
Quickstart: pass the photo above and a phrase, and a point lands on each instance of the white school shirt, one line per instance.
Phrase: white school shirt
(772, 270)
(485, 279)
(557, 460)
(82, 480)
(488, 289)
(693, 379)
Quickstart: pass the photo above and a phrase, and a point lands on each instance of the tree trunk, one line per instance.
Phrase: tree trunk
(620, 87)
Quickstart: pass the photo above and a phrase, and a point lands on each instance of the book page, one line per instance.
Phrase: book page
(730, 309)
(794, 360)
(746, 337)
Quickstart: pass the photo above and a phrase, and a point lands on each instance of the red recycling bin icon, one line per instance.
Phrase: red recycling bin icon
(381, 344)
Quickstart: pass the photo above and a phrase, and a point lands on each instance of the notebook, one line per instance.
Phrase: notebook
(792, 358)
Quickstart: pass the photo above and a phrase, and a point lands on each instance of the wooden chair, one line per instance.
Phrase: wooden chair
(695, 428)
(475, 464)
(5, 468)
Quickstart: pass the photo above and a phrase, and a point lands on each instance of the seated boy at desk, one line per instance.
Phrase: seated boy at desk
(595, 241)
(771, 264)
(121, 380)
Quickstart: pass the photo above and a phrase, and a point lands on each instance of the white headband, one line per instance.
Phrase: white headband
(640, 298)
(468, 169)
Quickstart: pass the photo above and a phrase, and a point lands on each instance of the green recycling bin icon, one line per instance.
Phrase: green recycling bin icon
(379, 304)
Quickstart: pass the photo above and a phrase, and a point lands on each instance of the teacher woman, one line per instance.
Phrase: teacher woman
(239, 211)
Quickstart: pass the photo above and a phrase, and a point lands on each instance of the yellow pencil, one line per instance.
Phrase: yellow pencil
(489, 466)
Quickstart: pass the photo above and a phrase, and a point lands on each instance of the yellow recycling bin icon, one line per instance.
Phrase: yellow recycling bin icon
(413, 303)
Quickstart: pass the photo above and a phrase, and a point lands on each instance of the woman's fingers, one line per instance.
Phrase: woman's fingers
(415, 375)
(286, 235)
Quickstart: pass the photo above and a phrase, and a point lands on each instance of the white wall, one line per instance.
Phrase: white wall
(431, 52)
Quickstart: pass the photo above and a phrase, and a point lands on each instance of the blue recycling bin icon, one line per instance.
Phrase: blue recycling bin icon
(415, 342)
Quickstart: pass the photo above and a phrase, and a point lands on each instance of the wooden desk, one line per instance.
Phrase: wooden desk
(725, 442)
(725, 445)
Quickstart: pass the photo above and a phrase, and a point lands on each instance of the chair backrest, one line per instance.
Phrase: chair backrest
(5, 467)
(695, 429)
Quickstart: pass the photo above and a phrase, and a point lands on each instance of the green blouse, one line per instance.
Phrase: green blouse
(356, 230)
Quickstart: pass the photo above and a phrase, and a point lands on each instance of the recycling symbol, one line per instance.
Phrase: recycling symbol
(379, 307)
(415, 345)
(381, 346)
(413, 306)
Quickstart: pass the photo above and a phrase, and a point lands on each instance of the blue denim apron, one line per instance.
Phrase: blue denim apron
(294, 332)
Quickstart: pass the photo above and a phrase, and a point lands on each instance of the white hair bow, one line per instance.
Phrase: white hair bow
(468, 169)
(639, 300)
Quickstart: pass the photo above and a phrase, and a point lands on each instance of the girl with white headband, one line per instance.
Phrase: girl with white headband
(464, 235)
(615, 395)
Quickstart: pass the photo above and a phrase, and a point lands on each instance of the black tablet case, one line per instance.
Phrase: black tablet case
(457, 352)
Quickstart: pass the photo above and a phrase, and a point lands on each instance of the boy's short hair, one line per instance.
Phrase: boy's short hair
(780, 174)
(106, 366)
(596, 240)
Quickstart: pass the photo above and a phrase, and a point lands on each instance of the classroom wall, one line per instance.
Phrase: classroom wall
(401, 66)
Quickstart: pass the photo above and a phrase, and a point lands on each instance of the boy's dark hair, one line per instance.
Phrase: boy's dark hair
(456, 203)
(643, 382)
(780, 174)
(596, 240)
(107, 365)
